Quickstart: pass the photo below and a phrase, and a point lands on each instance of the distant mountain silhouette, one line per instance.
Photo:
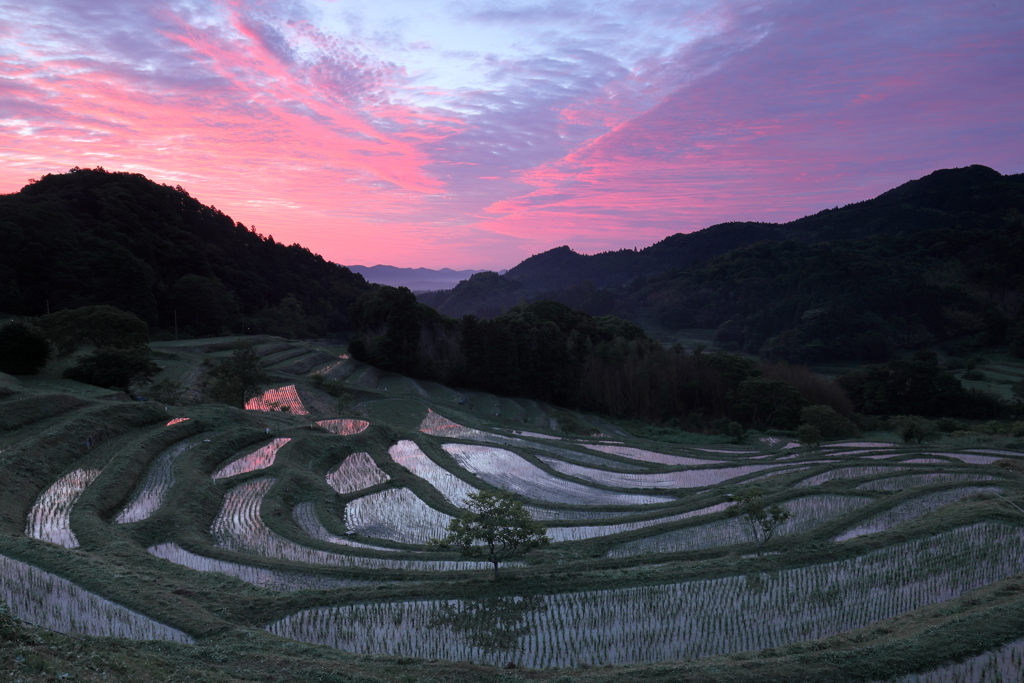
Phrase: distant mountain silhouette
(935, 258)
(416, 279)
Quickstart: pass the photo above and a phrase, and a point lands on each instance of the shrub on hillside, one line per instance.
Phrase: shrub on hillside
(812, 386)
(24, 349)
(809, 435)
(913, 429)
(829, 423)
(102, 326)
(238, 378)
(113, 368)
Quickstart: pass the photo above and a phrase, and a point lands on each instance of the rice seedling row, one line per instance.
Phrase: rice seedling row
(397, 515)
(49, 519)
(306, 518)
(850, 473)
(407, 454)
(357, 471)
(511, 472)
(664, 480)
(52, 602)
(258, 576)
(807, 513)
(239, 527)
(150, 495)
(284, 398)
(550, 515)
(1003, 665)
(343, 427)
(676, 621)
(911, 509)
(912, 480)
(582, 533)
(259, 459)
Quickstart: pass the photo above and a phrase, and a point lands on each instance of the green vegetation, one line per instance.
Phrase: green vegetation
(238, 378)
(101, 326)
(934, 261)
(115, 368)
(24, 349)
(92, 237)
(496, 527)
(265, 549)
(762, 518)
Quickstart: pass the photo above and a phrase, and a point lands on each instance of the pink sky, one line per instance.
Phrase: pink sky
(472, 134)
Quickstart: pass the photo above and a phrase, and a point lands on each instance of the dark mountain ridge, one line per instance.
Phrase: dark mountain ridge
(95, 237)
(934, 259)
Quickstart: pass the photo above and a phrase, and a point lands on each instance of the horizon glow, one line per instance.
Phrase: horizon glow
(470, 135)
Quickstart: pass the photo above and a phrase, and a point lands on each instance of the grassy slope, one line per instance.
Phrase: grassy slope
(44, 437)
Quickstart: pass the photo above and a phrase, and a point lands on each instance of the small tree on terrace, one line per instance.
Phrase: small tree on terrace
(762, 520)
(497, 527)
(238, 378)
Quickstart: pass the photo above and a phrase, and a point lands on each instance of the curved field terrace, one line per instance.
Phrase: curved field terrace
(307, 518)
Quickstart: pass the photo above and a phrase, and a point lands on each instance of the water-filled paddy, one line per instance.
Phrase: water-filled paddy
(676, 621)
(55, 603)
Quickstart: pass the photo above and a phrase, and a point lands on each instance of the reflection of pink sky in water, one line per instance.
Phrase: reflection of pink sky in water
(343, 427)
(149, 496)
(439, 425)
(177, 420)
(359, 471)
(50, 517)
(259, 459)
(285, 398)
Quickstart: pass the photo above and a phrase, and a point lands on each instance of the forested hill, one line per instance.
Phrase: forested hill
(95, 237)
(936, 259)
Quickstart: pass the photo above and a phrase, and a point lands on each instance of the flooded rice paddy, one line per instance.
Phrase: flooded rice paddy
(151, 493)
(507, 470)
(47, 600)
(677, 621)
(50, 517)
(617, 500)
(259, 459)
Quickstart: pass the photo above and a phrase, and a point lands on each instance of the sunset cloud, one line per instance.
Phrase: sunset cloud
(474, 134)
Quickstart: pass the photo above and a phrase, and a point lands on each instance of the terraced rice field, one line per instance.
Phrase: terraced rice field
(683, 620)
(50, 517)
(259, 459)
(644, 564)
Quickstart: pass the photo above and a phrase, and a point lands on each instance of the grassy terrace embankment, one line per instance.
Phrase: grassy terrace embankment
(213, 525)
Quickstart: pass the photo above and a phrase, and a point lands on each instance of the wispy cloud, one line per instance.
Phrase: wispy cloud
(473, 134)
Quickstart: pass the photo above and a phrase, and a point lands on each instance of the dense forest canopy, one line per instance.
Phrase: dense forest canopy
(936, 260)
(91, 237)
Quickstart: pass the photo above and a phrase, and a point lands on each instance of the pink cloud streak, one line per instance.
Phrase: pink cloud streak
(774, 112)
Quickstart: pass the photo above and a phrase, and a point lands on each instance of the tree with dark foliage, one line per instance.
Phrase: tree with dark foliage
(239, 378)
(24, 349)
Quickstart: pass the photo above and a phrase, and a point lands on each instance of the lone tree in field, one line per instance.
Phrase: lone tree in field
(762, 519)
(238, 378)
(497, 527)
